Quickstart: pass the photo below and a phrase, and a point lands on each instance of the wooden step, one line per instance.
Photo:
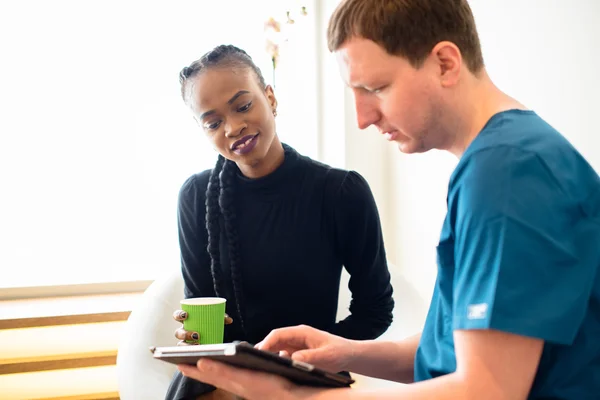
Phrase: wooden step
(95, 396)
(61, 361)
(52, 311)
(78, 383)
(60, 340)
(85, 289)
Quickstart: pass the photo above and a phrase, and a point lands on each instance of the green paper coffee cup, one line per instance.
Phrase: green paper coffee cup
(206, 315)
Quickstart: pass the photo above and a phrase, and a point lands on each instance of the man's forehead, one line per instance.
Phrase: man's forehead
(360, 61)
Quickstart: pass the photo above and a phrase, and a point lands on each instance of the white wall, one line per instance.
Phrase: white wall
(342, 144)
(93, 150)
(540, 51)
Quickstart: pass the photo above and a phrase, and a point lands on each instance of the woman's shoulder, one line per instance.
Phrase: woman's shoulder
(352, 185)
(195, 185)
(320, 169)
(340, 181)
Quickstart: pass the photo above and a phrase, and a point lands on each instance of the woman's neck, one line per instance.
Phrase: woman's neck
(273, 159)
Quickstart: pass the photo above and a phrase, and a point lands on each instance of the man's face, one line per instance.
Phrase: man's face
(404, 103)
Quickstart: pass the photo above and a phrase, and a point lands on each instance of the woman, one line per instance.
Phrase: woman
(267, 228)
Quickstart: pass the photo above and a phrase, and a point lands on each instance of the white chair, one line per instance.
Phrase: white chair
(151, 324)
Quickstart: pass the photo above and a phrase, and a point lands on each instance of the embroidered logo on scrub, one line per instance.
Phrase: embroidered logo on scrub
(477, 311)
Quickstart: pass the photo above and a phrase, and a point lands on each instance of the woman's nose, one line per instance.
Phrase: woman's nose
(234, 127)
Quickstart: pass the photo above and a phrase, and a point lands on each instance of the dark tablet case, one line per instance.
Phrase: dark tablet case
(244, 355)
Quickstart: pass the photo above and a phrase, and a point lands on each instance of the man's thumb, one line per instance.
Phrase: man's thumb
(311, 356)
(299, 356)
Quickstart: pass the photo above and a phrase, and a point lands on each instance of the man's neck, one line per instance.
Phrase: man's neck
(481, 102)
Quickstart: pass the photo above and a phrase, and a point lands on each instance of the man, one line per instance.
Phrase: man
(515, 312)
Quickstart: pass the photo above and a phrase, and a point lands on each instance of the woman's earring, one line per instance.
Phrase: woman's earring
(274, 112)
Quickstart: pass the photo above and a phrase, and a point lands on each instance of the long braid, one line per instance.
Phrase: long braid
(226, 202)
(212, 225)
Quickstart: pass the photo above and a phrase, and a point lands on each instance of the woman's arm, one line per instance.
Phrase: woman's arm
(191, 223)
(359, 241)
(195, 267)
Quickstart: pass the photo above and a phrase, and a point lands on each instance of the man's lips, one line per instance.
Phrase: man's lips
(243, 140)
(390, 136)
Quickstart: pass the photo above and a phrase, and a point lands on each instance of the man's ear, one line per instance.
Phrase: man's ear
(271, 97)
(449, 62)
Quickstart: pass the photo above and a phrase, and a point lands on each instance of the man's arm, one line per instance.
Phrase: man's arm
(491, 365)
(384, 360)
(393, 361)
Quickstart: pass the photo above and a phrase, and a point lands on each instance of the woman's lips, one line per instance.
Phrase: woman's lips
(245, 144)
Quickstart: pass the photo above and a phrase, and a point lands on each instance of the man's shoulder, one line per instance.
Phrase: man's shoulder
(492, 163)
(526, 149)
(517, 142)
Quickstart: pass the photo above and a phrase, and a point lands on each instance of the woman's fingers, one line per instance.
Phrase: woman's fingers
(188, 336)
(180, 315)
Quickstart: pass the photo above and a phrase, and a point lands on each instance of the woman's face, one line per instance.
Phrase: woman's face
(235, 112)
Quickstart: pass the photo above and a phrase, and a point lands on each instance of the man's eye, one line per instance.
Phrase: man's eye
(378, 90)
(245, 107)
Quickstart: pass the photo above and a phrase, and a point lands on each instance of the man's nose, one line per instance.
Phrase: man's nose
(366, 113)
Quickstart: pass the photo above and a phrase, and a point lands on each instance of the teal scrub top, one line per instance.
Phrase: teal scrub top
(519, 252)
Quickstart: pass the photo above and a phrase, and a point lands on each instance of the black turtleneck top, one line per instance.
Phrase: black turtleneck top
(297, 228)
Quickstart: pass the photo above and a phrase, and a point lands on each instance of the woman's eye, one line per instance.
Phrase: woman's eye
(213, 125)
(245, 107)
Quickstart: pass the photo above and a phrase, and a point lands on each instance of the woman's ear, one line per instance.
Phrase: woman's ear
(271, 97)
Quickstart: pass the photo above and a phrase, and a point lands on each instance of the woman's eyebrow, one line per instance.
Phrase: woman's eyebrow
(230, 101)
(235, 96)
